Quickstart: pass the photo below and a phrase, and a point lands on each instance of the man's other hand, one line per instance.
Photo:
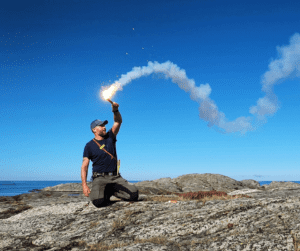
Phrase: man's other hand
(86, 190)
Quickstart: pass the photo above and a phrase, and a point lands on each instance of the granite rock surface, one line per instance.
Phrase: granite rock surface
(184, 183)
(62, 218)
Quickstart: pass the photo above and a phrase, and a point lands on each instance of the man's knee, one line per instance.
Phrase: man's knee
(99, 202)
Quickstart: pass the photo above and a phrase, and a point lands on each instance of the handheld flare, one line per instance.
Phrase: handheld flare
(107, 93)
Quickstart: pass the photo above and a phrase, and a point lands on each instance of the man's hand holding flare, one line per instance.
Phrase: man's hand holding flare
(115, 106)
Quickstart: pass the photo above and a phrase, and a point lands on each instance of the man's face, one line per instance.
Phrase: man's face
(100, 130)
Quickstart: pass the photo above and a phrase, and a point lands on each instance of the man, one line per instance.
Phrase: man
(102, 152)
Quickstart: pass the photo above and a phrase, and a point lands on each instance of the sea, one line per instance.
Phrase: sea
(12, 188)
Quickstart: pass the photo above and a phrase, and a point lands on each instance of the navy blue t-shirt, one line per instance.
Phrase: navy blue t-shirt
(102, 161)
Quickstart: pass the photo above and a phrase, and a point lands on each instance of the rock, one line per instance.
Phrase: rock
(251, 184)
(245, 191)
(268, 219)
(208, 182)
(187, 183)
(69, 187)
(194, 183)
(281, 185)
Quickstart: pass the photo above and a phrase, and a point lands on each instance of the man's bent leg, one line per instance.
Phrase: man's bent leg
(124, 190)
(99, 202)
(98, 195)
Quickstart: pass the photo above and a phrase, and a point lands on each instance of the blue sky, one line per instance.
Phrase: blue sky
(56, 55)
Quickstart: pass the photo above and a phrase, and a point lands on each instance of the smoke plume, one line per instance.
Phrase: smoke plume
(287, 65)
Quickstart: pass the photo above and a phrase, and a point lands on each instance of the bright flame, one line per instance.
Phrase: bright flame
(109, 92)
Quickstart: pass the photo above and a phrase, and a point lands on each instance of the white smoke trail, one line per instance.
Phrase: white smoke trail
(279, 69)
(286, 66)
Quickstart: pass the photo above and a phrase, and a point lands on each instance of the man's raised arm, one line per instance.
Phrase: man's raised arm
(117, 118)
